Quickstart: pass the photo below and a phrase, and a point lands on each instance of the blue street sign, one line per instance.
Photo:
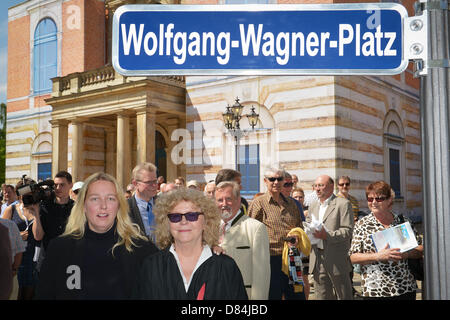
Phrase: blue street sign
(259, 39)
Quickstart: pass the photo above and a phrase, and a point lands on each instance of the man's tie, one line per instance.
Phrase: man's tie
(150, 215)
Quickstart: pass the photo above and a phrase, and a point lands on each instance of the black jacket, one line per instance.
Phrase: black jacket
(160, 279)
(135, 214)
(80, 269)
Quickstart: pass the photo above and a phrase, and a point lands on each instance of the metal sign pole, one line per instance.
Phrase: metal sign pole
(435, 122)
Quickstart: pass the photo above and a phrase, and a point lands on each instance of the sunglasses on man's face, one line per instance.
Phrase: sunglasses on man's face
(190, 216)
(347, 184)
(378, 199)
(288, 184)
(272, 179)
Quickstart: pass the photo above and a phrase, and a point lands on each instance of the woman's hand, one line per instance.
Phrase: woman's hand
(24, 235)
(218, 250)
(389, 254)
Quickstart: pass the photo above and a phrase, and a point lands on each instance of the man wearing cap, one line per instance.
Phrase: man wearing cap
(193, 184)
(75, 190)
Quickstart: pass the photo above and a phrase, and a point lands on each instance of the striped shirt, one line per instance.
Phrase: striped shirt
(353, 201)
(279, 218)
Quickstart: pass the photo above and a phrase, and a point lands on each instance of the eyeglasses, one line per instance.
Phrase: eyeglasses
(288, 184)
(149, 183)
(272, 179)
(190, 216)
(347, 184)
(378, 199)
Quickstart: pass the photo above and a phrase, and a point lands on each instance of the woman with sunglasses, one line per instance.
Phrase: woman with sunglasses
(385, 274)
(98, 255)
(187, 227)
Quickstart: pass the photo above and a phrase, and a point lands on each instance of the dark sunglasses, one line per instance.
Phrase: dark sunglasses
(347, 184)
(272, 179)
(190, 216)
(379, 199)
(288, 184)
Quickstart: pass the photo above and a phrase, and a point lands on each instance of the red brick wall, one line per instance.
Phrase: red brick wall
(18, 59)
(94, 32)
(72, 53)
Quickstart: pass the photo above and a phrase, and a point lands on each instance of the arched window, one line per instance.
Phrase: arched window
(394, 153)
(45, 56)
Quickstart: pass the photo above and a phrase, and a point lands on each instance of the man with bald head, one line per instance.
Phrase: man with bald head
(329, 261)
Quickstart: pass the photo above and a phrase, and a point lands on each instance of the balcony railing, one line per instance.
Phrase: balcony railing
(80, 82)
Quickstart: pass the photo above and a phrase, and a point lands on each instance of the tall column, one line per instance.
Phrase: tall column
(59, 145)
(77, 150)
(172, 125)
(111, 158)
(123, 170)
(435, 130)
(145, 127)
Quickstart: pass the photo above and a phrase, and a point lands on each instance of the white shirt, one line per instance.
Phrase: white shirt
(205, 255)
(230, 222)
(323, 207)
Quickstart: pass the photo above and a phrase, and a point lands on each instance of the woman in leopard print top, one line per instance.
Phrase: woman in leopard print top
(384, 274)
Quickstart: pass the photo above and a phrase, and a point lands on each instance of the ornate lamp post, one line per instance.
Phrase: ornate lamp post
(231, 119)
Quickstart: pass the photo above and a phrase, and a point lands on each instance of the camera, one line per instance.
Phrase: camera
(290, 239)
(33, 193)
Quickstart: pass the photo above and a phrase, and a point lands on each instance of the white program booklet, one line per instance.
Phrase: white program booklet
(400, 236)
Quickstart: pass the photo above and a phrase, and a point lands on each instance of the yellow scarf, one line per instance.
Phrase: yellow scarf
(304, 245)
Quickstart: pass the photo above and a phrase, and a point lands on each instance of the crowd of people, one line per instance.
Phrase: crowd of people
(175, 240)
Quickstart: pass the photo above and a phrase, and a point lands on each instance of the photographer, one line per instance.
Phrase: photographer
(52, 214)
(26, 274)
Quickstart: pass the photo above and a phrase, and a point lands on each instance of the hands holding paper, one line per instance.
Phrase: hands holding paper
(387, 254)
(316, 232)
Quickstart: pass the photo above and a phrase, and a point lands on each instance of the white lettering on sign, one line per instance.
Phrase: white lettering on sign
(253, 41)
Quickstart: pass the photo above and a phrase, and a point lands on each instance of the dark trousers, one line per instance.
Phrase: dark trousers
(279, 283)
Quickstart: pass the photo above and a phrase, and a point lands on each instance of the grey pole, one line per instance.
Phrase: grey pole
(435, 107)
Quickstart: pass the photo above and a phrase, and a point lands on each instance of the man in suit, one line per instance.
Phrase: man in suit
(245, 240)
(329, 261)
(142, 202)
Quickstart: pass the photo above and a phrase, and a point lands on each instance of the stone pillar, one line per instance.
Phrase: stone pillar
(172, 125)
(123, 169)
(145, 133)
(59, 145)
(110, 156)
(77, 150)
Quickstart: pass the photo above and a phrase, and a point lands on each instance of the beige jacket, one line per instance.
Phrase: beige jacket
(247, 242)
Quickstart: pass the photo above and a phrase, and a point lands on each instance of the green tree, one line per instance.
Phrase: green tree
(2, 142)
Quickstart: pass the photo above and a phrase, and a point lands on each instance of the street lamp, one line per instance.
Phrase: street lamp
(231, 119)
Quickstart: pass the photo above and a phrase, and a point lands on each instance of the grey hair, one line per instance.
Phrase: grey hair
(234, 185)
(273, 170)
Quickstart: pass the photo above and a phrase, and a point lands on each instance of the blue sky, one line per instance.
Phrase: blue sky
(4, 5)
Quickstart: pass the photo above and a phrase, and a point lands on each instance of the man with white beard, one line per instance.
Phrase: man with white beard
(245, 240)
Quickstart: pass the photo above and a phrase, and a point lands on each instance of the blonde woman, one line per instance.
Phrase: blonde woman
(187, 227)
(100, 251)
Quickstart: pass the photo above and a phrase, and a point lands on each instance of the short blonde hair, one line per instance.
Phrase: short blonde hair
(147, 166)
(127, 231)
(167, 201)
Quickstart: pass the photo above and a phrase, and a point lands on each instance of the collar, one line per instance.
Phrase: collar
(270, 198)
(143, 202)
(326, 202)
(235, 219)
